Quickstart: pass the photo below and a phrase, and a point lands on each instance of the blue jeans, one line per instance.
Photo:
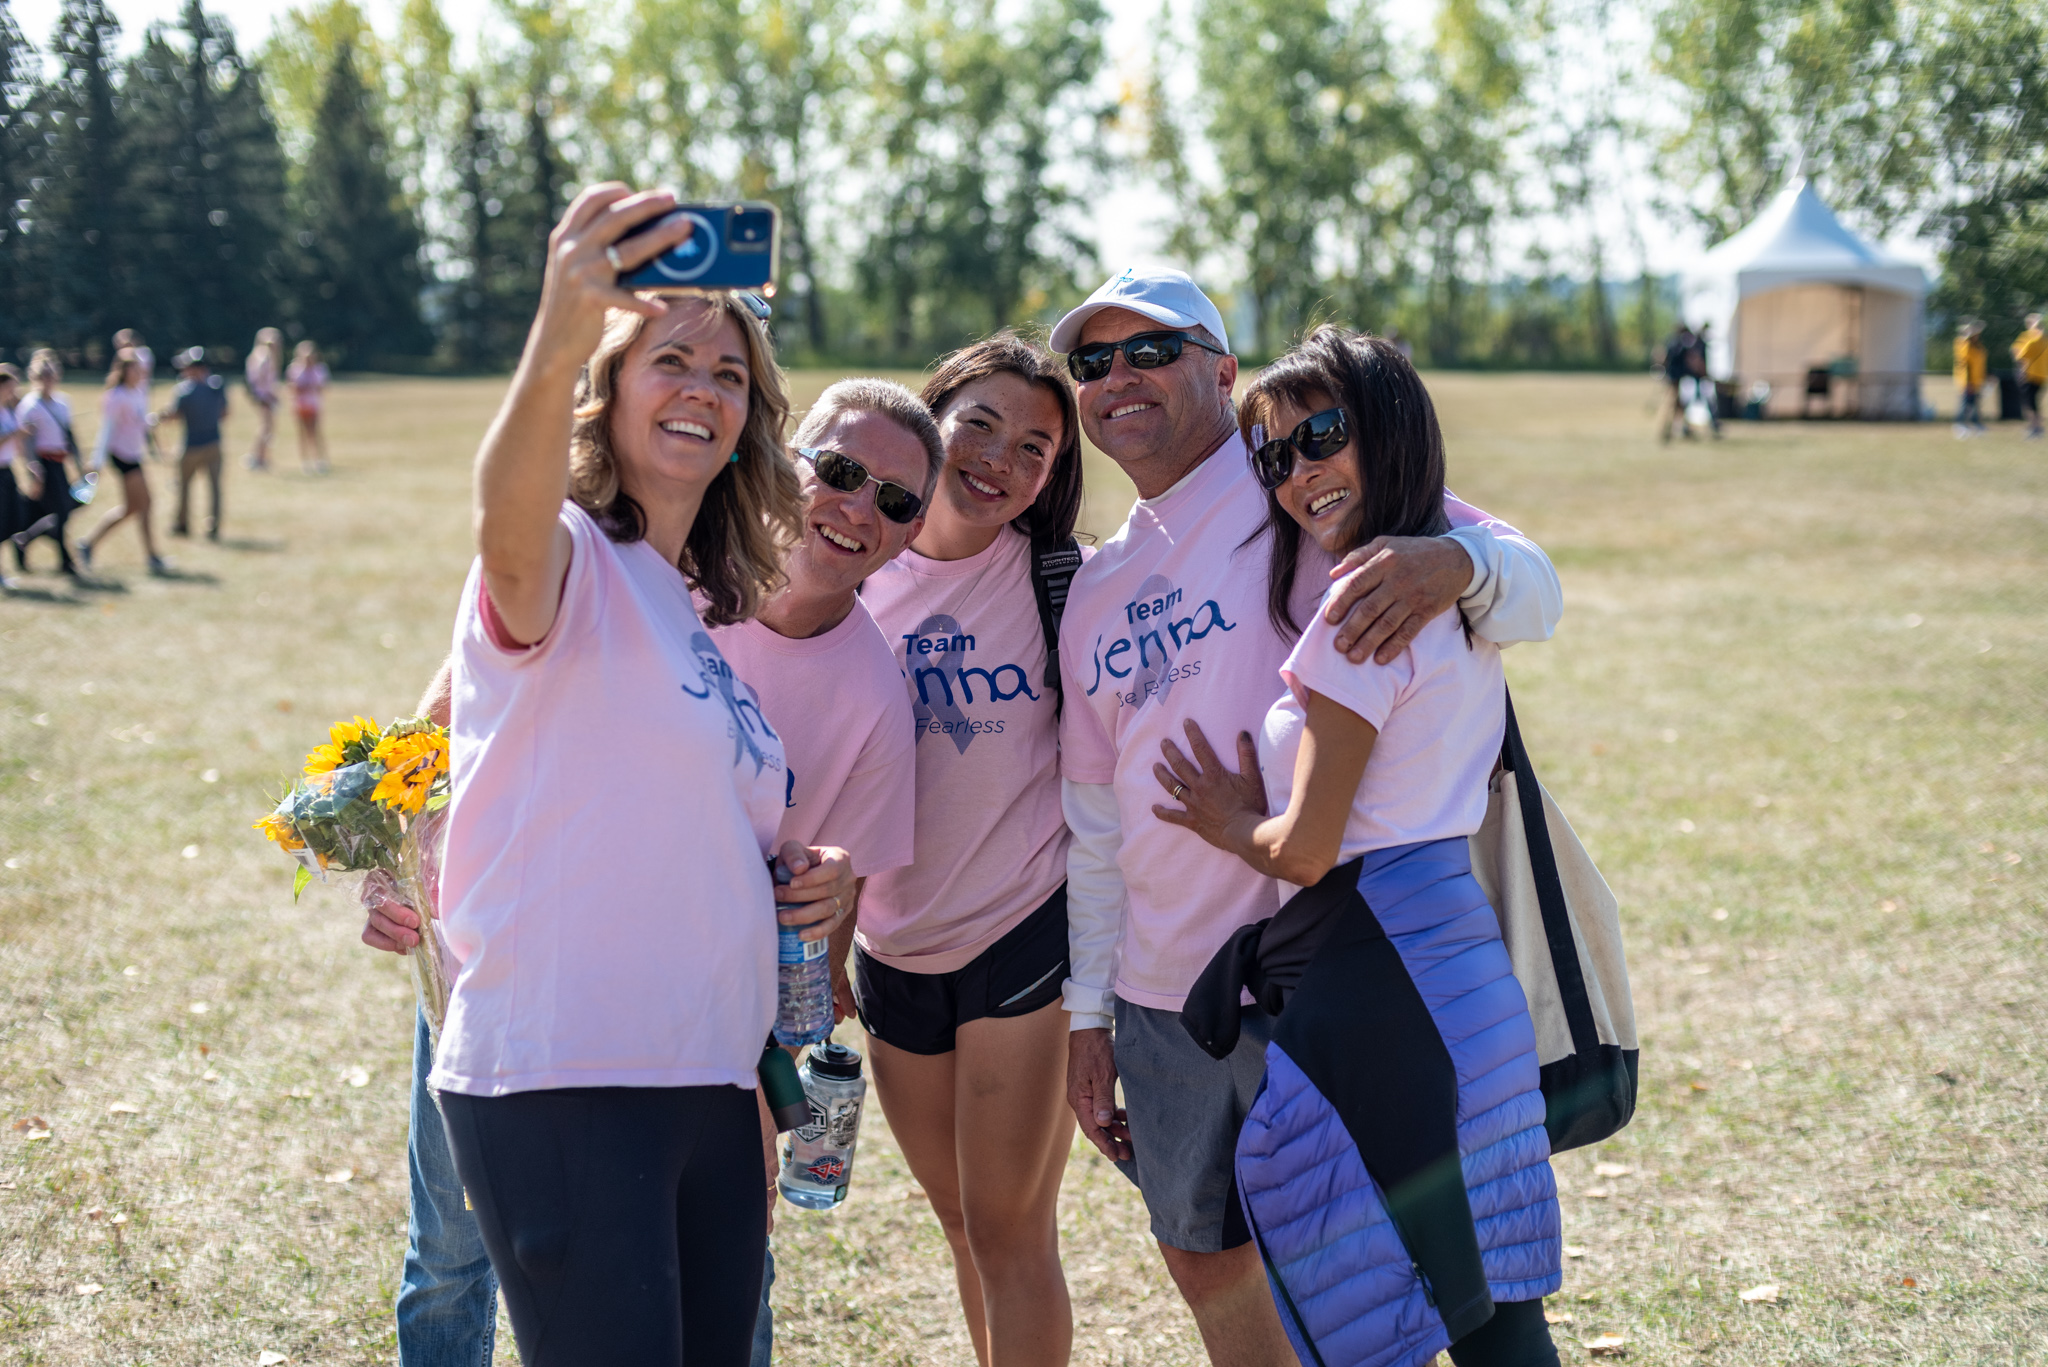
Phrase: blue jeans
(764, 1327)
(448, 1301)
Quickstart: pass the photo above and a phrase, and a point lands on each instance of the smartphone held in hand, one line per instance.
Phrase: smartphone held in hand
(730, 247)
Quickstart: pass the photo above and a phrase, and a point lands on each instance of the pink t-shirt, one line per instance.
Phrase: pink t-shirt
(991, 842)
(836, 699)
(1169, 624)
(125, 410)
(605, 893)
(1440, 709)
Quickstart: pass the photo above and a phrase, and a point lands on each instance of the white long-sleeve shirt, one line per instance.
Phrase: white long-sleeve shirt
(1514, 596)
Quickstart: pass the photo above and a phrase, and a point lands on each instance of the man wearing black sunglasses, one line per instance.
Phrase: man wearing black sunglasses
(1168, 625)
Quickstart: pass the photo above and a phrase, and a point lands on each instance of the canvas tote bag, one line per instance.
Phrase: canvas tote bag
(1563, 932)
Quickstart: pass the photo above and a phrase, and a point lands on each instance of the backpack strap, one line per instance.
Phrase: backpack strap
(1052, 572)
(1557, 916)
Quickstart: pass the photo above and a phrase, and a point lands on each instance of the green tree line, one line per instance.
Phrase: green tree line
(936, 161)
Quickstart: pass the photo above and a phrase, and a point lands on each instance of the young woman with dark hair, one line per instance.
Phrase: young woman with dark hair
(960, 957)
(1405, 1030)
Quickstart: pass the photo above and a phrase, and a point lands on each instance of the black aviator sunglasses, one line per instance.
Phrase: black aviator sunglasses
(1318, 437)
(837, 470)
(1146, 351)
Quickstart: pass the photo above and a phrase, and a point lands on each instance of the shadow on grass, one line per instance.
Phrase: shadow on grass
(260, 545)
(170, 574)
(88, 583)
(22, 591)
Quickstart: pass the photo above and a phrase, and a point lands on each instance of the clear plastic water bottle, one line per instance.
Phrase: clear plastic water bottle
(803, 980)
(817, 1160)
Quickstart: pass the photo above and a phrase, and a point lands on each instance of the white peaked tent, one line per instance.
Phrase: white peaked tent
(1796, 293)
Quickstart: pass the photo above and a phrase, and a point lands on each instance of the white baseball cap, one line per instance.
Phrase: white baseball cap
(1167, 296)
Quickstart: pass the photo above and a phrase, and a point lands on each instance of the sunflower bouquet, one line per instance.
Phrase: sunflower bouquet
(370, 802)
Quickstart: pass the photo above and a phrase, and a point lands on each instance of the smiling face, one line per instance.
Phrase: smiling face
(1001, 434)
(680, 402)
(1324, 496)
(845, 537)
(1143, 416)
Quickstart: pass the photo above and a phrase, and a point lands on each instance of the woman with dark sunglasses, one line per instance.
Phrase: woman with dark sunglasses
(960, 957)
(1360, 790)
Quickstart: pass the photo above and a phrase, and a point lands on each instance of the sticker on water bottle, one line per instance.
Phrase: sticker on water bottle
(791, 949)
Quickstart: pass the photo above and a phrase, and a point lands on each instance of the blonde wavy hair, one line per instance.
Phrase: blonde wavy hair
(753, 510)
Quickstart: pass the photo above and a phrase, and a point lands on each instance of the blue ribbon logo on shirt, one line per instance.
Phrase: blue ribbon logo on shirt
(745, 713)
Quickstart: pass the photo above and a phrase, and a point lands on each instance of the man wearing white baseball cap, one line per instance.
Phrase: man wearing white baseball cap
(1168, 624)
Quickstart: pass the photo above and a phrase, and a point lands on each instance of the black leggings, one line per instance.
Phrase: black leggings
(48, 514)
(1516, 1336)
(626, 1224)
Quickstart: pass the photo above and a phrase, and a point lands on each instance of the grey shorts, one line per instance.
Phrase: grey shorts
(1185, 1110)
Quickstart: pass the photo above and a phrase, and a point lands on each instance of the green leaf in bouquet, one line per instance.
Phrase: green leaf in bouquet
(300, 877)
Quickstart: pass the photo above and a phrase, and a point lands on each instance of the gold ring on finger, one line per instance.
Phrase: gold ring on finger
(1180, 792)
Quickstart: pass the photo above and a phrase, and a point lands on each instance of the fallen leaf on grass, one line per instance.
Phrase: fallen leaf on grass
(95, 1212)
(118, 1220)
(31, 1122)
(341, 1175)
(87, 1289)
(358, 1077)
(2011, 856)
(1907, 1281)
(124, 1108)
(1597, 1193)
(1574, 1250)
(1611, 1170)
(209, 1076)
(199, 1008)
(1557, 1317)
(1699, 1086)
(1767, 1294)
(270, 1357)
(1606, 1345)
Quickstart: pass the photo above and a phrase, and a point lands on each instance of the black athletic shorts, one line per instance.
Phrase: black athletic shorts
(1018, 974)
(126, 467)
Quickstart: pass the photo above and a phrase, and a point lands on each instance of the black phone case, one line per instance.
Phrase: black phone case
(734, 247)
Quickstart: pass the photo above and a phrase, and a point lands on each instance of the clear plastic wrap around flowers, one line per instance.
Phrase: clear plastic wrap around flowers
(370, 802)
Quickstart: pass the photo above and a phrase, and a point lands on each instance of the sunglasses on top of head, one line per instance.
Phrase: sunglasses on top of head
(837, 470)
(1146, 351)
(1318, 437)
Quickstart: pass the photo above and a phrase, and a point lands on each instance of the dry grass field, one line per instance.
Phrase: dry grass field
(1796, 710)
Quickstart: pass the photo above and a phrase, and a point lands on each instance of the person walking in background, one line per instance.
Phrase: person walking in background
(1703, 392)
(1970, 362)
(1677, 369)
(262, 372)
(309, 387)
(45, 418)
(16, 479)
(2030, 354)
(959, 958)
(124, 425)
(200, 401)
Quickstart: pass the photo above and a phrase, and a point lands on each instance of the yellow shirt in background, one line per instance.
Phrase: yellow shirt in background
(2031, 351)
(1970, 362)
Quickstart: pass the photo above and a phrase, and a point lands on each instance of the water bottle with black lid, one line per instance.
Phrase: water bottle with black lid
(817, 1162)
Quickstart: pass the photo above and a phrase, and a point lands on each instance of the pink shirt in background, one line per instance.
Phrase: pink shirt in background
(307, 383)
(1440, 709)
(991, 842)
(125, 410)
(836, 699)
(604, 888)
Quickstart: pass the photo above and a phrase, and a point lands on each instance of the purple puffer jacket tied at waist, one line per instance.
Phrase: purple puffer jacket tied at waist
(1405, 1053)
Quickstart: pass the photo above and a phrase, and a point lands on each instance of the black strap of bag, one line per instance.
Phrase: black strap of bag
(1557, 916)
(1052, 572)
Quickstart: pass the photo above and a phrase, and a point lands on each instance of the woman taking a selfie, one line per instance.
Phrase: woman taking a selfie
(1407, 1027)
(606, 892)
(960, 957)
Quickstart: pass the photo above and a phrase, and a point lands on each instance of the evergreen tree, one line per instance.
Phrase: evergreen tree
(359, 277)
(17, 85)
(210, 187)
(80, 239)
(484, 330)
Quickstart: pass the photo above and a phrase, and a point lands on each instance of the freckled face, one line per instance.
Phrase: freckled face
(680, 403)
(1322, 495)
(1001, 434)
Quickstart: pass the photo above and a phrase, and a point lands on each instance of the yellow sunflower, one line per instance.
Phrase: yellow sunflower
(282, 831)
(340, 736)
(411, 764)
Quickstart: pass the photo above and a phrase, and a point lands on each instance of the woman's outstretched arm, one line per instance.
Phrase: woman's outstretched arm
(522, 469)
